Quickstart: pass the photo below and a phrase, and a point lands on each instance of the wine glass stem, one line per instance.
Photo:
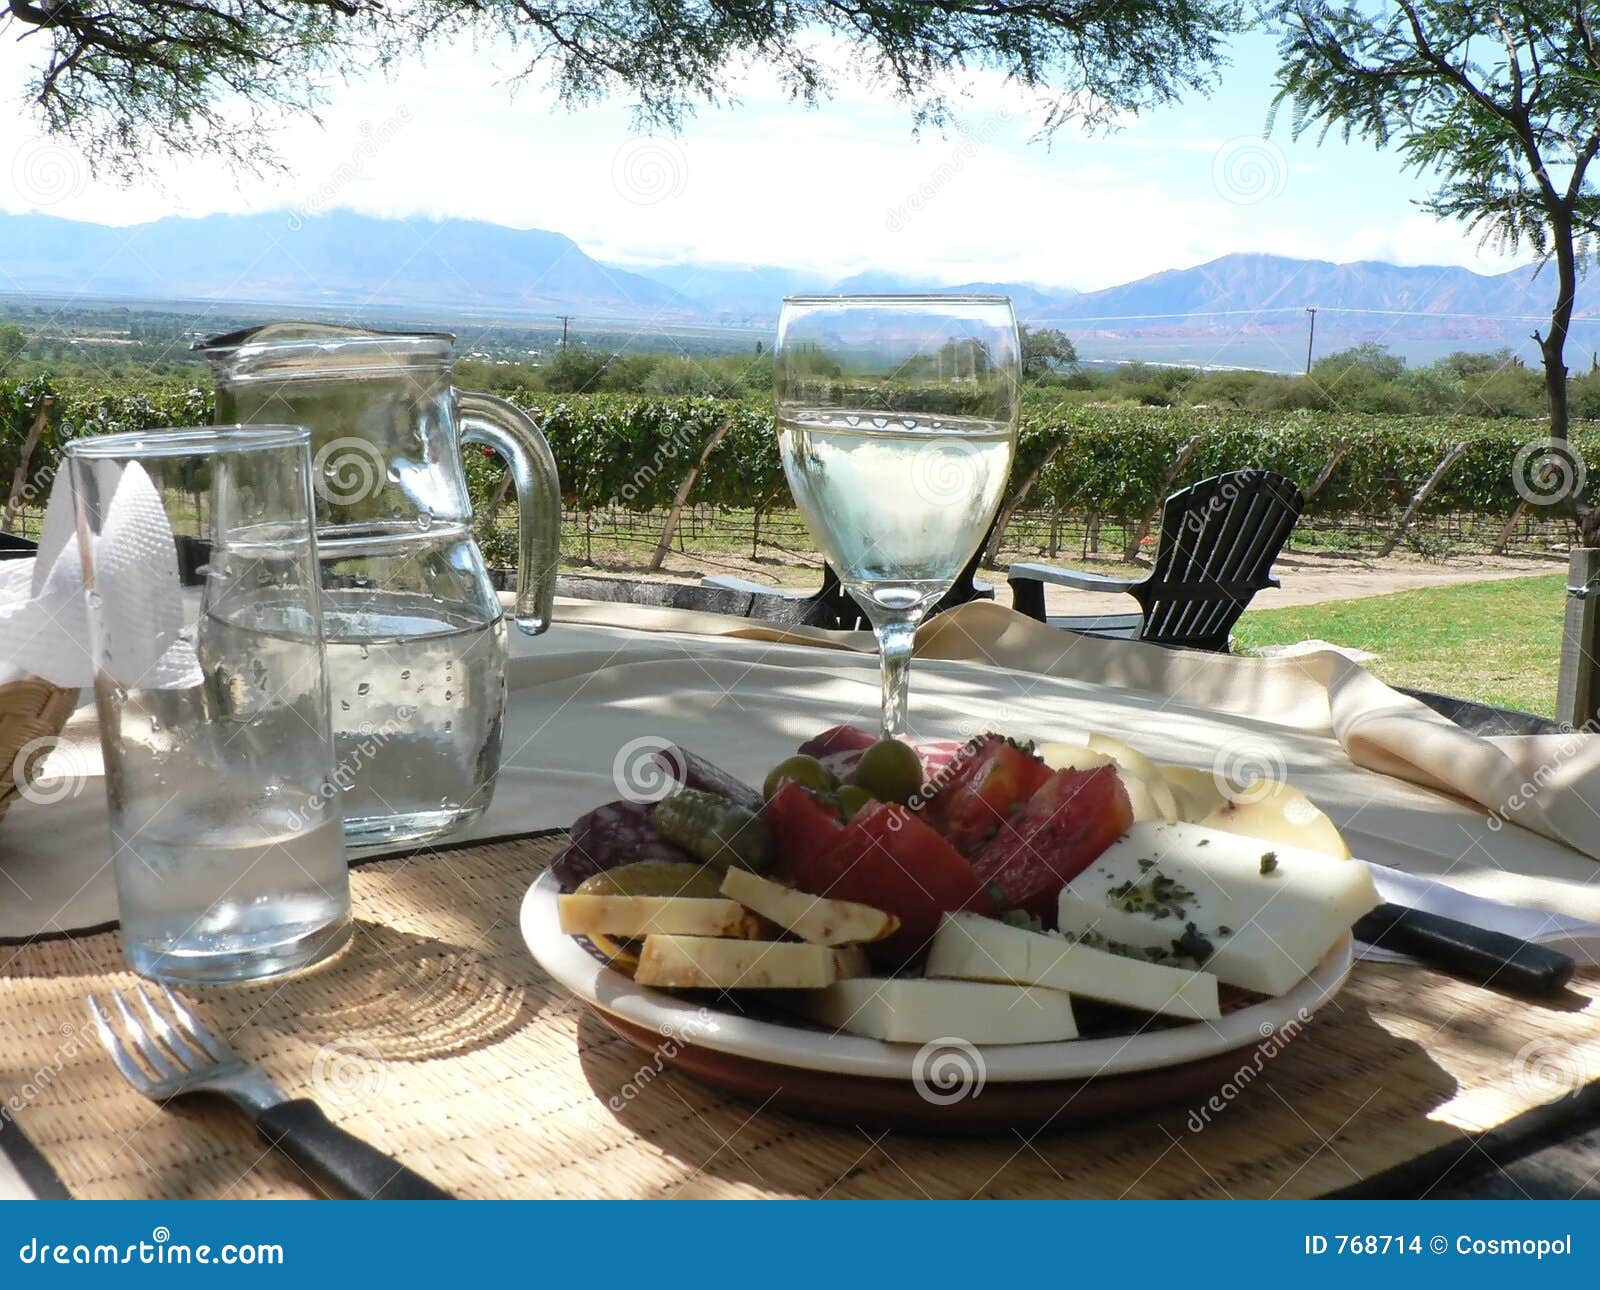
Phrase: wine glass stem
(896, 636)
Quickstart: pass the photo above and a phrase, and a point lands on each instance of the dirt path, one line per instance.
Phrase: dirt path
(1308, 578)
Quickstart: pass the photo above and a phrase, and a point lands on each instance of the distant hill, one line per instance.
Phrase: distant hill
(339, 258)
(1262, 282)
(1242, 310)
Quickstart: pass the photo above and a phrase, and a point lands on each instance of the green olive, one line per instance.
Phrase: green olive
(852, 797)
(890, 770)
(807, 772)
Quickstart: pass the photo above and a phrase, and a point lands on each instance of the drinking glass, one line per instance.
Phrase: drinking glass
(227, 842)
(897, 423)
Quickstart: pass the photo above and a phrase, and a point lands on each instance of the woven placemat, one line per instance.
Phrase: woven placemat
(436, 1037)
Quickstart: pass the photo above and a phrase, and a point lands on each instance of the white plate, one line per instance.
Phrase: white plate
(572, 964)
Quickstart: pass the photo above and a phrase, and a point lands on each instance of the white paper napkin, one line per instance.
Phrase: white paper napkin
(44, 620)
(1574, 936)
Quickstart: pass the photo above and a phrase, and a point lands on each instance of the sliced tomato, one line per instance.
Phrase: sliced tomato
(891, 860)
(1074, 816)
(805, 829)
(982, 789)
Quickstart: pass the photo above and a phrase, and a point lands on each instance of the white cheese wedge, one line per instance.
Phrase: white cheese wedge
(812, 918)
(974, 948)
(911, 1011)
(705, 963)
(634, 916)
(1266, 930)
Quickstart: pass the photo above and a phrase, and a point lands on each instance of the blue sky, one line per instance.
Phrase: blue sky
(836, 189)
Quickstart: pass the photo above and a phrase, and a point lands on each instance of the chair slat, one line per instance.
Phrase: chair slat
(1219, 538)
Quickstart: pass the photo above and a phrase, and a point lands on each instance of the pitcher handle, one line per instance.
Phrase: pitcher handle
(516, 436)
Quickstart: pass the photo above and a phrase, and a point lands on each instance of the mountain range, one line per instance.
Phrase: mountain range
(1238, 309)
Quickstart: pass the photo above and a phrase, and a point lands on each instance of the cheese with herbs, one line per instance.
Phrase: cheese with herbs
(1256, 914)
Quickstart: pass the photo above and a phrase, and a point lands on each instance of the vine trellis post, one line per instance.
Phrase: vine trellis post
(1138, 532)
(1011, 507)
(19, 481)
(1422, 494)
(682, 498)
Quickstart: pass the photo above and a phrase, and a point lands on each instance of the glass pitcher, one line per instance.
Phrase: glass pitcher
(416, 643)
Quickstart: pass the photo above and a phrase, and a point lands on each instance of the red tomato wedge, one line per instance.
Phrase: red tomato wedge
(804, 830)
(1063, 827)
(889, 859)
(983, 789)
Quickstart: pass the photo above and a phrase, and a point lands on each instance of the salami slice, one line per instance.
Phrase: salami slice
(694, 771)
(611, 835)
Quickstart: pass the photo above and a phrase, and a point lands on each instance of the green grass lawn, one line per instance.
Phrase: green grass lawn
(1496, 642)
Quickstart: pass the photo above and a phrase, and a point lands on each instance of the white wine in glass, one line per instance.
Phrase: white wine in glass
(897, 422)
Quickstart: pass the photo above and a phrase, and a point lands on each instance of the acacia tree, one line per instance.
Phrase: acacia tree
(1499, 99)
(198, 75)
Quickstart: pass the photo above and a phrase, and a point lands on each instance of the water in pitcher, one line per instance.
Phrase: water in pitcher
(898, 505)
(417, 695)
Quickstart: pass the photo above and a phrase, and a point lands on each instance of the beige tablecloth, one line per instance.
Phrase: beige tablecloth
(1515, 819)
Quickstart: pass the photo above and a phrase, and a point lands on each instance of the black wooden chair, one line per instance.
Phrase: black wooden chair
(1218, 540)
(13, 547)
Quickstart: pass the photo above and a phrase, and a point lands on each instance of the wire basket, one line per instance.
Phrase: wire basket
(32, 714)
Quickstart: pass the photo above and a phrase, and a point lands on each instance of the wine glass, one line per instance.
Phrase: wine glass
(897, 423)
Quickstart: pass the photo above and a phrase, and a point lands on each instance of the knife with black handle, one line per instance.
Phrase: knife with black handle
(1474, 954)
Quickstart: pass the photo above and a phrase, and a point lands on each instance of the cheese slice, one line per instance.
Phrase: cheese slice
(1196, 790)
(910, 1011)
(706, 963)
(1257, 914)
(812, 918)
(974, 948)
(633, 916)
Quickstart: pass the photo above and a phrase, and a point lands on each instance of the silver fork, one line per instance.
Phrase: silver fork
(166, 1059)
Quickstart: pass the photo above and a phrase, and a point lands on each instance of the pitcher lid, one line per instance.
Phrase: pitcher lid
(284, 349)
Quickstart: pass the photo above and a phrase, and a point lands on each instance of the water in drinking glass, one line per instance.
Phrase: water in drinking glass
(236, 876)
(899, 502)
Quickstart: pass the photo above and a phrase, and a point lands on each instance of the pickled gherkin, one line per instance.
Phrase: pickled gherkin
(715, 829)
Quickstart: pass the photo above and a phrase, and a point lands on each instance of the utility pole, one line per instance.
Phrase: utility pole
(1311, 336)
(565, 319)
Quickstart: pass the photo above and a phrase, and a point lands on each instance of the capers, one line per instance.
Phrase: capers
(889, 770)
(807, 772)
